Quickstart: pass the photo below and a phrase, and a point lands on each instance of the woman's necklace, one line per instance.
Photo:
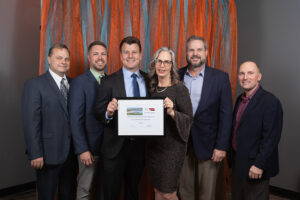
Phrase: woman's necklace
(159, 91)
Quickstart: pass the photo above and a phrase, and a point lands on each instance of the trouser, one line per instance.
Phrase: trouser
(251, 189)
(89, 176)
(198, 178)
(61, 178)
(127, 166)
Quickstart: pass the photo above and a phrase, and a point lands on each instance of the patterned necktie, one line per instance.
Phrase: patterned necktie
(135, 86)
(64, 89)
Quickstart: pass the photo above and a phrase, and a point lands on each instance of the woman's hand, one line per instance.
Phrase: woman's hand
(169, 105)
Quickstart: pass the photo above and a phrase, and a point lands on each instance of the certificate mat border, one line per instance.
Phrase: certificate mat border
(141, 98)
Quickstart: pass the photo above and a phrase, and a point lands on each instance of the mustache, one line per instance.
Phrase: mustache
(100, 60)
(195, 57)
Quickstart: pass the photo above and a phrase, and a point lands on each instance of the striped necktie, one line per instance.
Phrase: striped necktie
(64, 89)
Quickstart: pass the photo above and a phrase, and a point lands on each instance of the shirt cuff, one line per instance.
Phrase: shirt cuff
(108, 118)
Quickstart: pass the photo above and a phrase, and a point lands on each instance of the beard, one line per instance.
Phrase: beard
(196, 65)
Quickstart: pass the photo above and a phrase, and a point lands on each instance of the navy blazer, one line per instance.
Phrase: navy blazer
(86, 130)
(45, 120)
(112, 87)
(258, 134)
(212, 121)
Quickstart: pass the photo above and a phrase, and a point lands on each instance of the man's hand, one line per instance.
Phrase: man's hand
(218, 155)
(86, 158)
(112, 107)
(255, 172)
(37, 163)
(169, 105)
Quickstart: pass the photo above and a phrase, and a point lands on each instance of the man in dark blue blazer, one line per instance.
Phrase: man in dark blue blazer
(210, 92)
(86, 129)
(257, 126)
(46, 128)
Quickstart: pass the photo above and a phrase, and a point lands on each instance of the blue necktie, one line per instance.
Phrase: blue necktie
(135, 86)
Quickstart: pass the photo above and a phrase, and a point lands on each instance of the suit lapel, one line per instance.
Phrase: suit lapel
(207, 83)
(253, 102)
(91, 78)
(54, 87)
(182, 73)
(147, 82)
(120, 83)
(238, 100)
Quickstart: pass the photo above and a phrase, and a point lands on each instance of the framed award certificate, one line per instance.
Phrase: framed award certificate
(140, 117)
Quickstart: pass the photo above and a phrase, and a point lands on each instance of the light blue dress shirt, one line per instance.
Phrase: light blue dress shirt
(194, 85)
(128, 83)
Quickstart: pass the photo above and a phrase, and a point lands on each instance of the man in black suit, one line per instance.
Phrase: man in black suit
(86, 129)
(123, 158)
(257, 127)
(210, 92)
(46, 128)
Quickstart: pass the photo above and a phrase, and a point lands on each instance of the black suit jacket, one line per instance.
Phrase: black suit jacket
(258, 134)
(86, 129)
(112, 87)
(45, 120)
(212, 121)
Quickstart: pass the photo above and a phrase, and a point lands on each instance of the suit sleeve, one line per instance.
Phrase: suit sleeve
(32, 119)
(225, 115)
(271, 132)
(77, 106)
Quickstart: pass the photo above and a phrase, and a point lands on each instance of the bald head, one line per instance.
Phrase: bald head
(249, 76)
(250, 63)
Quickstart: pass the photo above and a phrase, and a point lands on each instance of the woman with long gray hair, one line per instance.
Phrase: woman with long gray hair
(165, 155)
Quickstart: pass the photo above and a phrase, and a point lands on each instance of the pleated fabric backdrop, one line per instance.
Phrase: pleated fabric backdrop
(156, 23)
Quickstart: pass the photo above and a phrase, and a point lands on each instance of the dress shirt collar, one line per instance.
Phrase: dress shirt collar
(58, 78)
(127, 74)
(245, 98)
(201, 73)
(96, 74)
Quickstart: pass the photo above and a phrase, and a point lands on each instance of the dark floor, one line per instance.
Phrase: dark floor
(30, 195)
(25, 195)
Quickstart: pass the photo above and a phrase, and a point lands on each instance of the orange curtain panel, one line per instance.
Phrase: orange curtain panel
(156, 23)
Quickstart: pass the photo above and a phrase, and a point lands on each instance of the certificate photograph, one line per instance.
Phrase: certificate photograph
(140, 117)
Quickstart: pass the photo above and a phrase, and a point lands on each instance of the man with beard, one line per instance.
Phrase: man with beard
(210, 92)
(86, 130)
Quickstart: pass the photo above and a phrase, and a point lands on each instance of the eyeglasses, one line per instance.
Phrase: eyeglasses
(165, 62)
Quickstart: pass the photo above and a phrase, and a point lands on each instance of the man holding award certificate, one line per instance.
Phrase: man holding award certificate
(123, 157)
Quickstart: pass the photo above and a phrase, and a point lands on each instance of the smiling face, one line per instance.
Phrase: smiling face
(131, 56)
(97, 57)
(196, 54)
(59, 61)
(249, 77)
(163, 65)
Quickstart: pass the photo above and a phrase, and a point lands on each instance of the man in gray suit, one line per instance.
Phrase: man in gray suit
(46, 128)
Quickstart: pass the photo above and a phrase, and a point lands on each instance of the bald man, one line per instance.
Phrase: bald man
(257, 126)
